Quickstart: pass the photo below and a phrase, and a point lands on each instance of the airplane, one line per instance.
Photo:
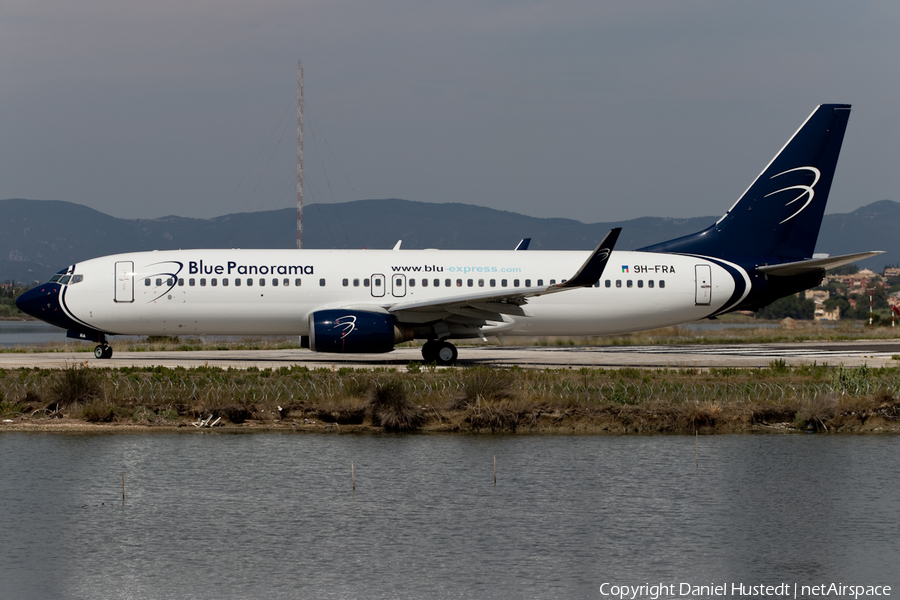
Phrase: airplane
(368, 301)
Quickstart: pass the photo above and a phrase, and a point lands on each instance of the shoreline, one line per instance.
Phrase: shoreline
(777, 399)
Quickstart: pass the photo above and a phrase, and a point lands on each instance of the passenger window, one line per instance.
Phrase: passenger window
(356, 283)
(470, 282)
(493, 283)
(597, 284)
(377, 282)
(481, 283)
(214, 282)
(447, 283)
(169, 282)
(249, 282)
(286, 282)
(274, 282)
(262, 282)
(202, 281)
(527, 283)
(618, 283)
(191, 281)
(146, 281)
(459, 283)
(225, 281)
(399, 283)
(608, 283)
(502, 283)
(322, 282)
(662, 283)
(424, 283)
(540, 282)
(345, 282)
(437, 283)
(630, 283)
(412, 283)
(237, 281)
(180, 282)
(552, 282)
(158, 280)
(297, 283)
(640, 283)
(650, 283)
(365, 282)
(515, 283)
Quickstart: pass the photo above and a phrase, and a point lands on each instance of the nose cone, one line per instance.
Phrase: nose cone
(42, 302)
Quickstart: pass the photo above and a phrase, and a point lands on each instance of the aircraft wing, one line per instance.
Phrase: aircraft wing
(805, 266)
(510, 301)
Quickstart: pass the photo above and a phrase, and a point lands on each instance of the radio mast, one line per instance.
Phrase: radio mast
(299, 155)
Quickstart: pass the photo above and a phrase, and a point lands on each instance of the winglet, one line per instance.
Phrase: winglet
(592, 269)
(523, 245)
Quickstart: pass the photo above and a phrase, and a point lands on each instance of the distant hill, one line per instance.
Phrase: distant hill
(40, 237)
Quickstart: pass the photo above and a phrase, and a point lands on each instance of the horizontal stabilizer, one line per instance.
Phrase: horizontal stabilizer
(806, 266)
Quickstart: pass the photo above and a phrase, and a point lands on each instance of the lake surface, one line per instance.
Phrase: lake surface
(274, 515)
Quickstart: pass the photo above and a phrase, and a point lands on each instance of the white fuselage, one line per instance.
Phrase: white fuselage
(272, 292)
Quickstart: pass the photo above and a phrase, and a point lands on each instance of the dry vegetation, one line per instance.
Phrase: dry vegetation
(479, 399)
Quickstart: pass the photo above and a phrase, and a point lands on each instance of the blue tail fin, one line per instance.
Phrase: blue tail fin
(777, 219)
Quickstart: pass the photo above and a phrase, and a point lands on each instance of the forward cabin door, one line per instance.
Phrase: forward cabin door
(124, 281)
(703, 282)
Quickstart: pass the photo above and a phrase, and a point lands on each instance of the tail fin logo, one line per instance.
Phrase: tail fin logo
(805, 190)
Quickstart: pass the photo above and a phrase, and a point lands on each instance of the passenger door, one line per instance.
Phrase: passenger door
(703, 283)
(124, 281)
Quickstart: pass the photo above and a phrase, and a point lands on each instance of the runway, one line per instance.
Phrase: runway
(854, 353)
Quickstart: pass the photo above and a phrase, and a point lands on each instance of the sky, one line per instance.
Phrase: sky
(584, 109)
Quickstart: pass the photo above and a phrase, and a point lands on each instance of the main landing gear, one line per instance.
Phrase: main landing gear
(440, 352)
(104, 350)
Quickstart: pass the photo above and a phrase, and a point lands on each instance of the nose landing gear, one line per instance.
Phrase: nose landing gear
(104, 350)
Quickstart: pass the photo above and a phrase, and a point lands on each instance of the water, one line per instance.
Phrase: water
(19, 333)
(274, 515)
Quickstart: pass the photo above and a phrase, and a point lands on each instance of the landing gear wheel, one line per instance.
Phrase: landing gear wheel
(430, 351)
(446, 354)
(103, 351)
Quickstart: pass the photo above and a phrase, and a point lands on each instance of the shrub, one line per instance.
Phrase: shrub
(482, 383)
(75, 385)
(98, 411)
(391, 409)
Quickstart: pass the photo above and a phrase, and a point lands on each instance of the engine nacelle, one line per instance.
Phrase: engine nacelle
(337, 330)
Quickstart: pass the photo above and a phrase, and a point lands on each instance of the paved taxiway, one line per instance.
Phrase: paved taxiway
(872, 353)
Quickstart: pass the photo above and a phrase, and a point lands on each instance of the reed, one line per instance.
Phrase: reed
(456, 399)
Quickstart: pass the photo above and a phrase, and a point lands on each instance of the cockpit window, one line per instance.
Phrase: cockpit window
(65, 279)
(55, 278)
(76, 279)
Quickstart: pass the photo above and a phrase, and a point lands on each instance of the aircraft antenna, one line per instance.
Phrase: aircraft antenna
(299, 155)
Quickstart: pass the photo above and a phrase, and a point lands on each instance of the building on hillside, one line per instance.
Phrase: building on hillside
(822, 314)
(818, 296)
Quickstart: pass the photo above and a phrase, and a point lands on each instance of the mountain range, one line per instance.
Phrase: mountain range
(40, 237)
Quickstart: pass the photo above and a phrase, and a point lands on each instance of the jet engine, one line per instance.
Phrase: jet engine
(337, 330)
